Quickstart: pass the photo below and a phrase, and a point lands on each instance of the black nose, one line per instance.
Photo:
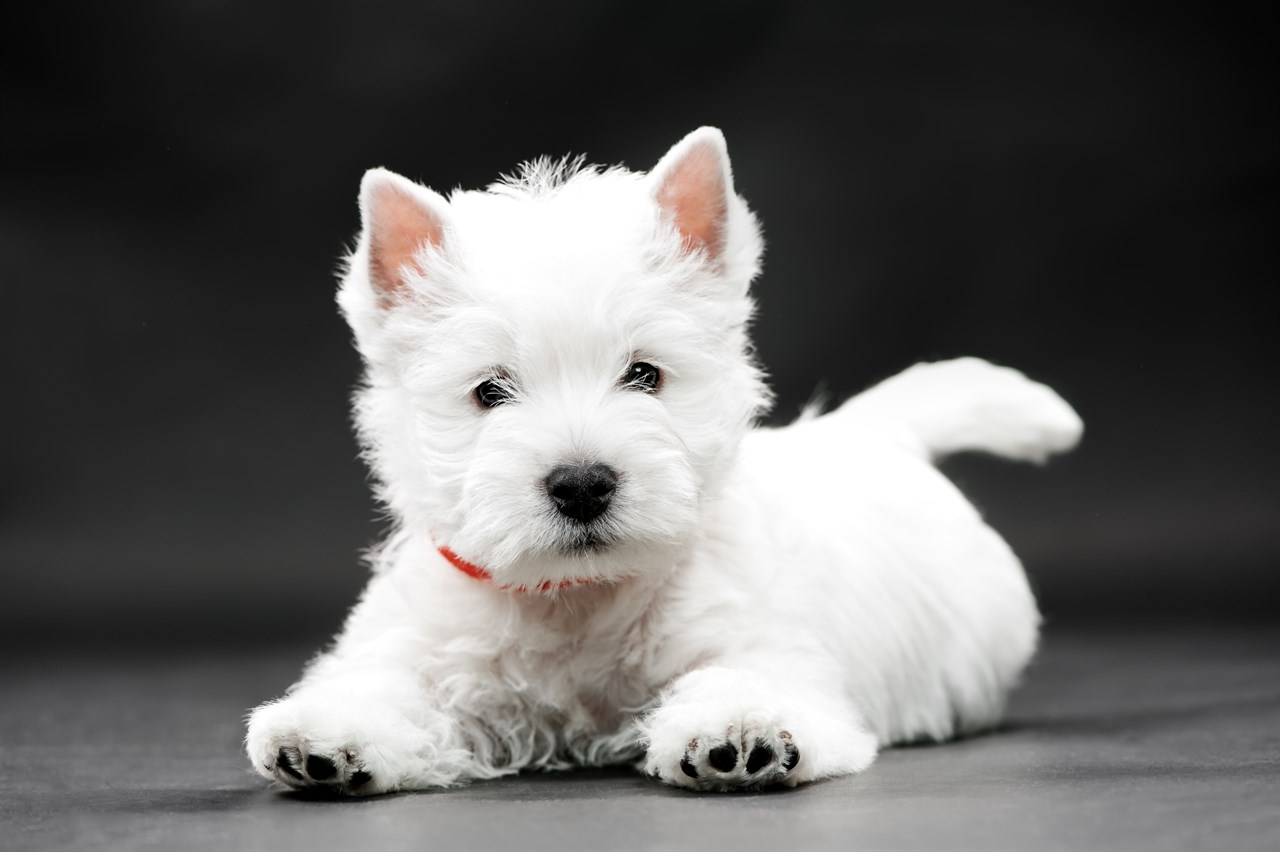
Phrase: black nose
(582, 492)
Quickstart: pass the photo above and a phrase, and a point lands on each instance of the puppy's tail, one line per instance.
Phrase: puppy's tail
(967, 404)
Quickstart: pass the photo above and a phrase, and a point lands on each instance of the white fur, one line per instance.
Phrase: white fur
(821, 588)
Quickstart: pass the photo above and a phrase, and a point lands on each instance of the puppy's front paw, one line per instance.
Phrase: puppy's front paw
(723, 729)
(293, 744)
(746, 756)
(369, 733)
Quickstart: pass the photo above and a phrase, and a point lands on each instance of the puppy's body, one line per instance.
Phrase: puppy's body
(751, 607)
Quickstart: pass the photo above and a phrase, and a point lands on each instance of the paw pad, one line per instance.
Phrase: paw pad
(336, 771)
(761, 756)
(725, 757)
(288, 759)
(726, 766)
(321, 768)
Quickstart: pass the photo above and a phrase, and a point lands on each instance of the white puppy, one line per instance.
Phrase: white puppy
(597, 559)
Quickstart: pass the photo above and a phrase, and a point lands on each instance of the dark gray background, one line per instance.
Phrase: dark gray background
(1087, 192)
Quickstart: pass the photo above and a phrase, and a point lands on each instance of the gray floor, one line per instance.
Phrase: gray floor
(1150, 739)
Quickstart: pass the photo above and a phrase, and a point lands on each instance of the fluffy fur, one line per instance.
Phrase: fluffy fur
(761, 607)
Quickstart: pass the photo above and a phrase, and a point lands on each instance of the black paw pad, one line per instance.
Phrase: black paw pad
(285, 761)
(760, 757)
(791, 759)
(321, 768)
(724, 757)
(360, 777)
(688, 768)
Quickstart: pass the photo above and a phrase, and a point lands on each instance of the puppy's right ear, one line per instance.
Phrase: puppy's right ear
(401, 219)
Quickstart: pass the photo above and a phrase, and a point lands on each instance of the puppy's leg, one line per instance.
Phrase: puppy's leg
(357, 732)
(726, 728)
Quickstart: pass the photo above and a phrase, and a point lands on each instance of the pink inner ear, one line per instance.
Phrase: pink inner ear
(693, 192)
(399, 226)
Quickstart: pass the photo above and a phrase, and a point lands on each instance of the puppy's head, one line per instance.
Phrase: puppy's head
(558, 372)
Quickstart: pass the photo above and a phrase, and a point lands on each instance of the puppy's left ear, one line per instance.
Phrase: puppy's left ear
(692, 185)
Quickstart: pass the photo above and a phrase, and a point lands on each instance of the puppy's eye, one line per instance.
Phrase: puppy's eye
(490, 393)
(642, 376)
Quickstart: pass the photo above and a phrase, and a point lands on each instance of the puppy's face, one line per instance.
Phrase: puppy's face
(558, 374)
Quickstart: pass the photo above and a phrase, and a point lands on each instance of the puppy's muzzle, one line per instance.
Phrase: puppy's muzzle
(582, 492)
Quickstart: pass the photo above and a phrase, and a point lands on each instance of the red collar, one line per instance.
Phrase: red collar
(478, 573)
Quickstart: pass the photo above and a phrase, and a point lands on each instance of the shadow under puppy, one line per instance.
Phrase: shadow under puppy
(597, 559)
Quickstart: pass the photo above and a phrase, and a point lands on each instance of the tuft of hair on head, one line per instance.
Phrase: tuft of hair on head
(543, 176)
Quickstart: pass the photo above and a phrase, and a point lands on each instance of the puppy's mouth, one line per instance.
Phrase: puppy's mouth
(586, 543)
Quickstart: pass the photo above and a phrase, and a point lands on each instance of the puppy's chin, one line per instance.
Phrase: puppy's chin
(588, 541)
(583, 561)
